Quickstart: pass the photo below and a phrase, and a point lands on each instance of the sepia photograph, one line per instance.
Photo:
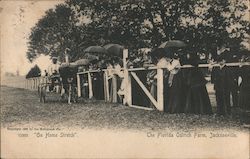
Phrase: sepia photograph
(125, 79)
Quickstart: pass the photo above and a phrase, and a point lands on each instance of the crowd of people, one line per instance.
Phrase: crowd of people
(185, 89)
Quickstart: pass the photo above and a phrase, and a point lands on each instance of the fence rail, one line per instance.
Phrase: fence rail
(112, 93)
(130, 73)
(33, 83)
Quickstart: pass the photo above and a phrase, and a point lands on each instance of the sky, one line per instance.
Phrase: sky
(17, 17)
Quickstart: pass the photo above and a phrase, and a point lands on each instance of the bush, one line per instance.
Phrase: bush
(34, 72)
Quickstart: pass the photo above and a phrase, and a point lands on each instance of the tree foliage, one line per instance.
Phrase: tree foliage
(204, 25)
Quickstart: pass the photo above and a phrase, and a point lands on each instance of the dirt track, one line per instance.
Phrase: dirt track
(19, 106)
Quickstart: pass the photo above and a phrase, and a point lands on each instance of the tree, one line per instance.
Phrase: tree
(53, 34)
(204, 25)
(34, 72)
(221, 25)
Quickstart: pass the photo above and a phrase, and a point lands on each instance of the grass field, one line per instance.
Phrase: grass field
(20, 107)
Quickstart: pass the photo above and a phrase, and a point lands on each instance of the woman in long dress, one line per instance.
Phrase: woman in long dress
(197, 100)
(159, 57)
(176, 93)
(110, 68)
(244, 96)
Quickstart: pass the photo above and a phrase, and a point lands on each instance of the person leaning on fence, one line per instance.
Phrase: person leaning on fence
(175, 97)
(161, 58)
(119, 75)
(99, 94)
(84, 81)
(96, 79)
(221, 78)
(109, 66)
(115, 77)
(152, 81)
(197, 99)
(244, 95)
(53, 72)
(234, 87)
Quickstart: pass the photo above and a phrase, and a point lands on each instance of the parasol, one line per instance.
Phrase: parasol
(81, 62)
(68, 65)
(173, 44)
(95, 49)
(114, 49)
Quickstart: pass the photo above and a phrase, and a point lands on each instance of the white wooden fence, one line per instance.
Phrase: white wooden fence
(131, 73)
(33, 83)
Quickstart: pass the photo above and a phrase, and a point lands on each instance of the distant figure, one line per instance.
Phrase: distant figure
(45, 73)
(119, 78)
(54, 67)
(53, 72)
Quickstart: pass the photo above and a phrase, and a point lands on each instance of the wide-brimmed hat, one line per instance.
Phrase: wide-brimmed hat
(54, 58)
(223, 56)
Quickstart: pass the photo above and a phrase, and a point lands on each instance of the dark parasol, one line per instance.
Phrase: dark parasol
(114, 49)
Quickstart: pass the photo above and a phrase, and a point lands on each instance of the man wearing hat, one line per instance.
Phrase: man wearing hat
(221, 78)
(244, 73)
(234, 87)
(53, 72)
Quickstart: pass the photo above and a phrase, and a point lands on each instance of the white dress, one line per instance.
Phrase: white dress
(53, 68)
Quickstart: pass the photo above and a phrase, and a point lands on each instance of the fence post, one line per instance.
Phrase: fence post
(35, 82)
(38, 82)
(128, 90)
(114, 88)
(106, 85)
(25, 84)
(78, 85)
(30, 83)
(160, 89)
(90, 86)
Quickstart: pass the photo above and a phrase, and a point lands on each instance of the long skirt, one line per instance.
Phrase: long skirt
(223, 101)
(244, 98)
(98, 87)
(197, 101)
(175, 95)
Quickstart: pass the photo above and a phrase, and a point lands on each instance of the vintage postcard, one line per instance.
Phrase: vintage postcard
(125, 79)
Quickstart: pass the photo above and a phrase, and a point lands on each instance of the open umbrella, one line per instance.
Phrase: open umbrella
(91, 57)
(95, 49)
(68, 65)
(114, 49)
(83, 62)
(173, 44)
